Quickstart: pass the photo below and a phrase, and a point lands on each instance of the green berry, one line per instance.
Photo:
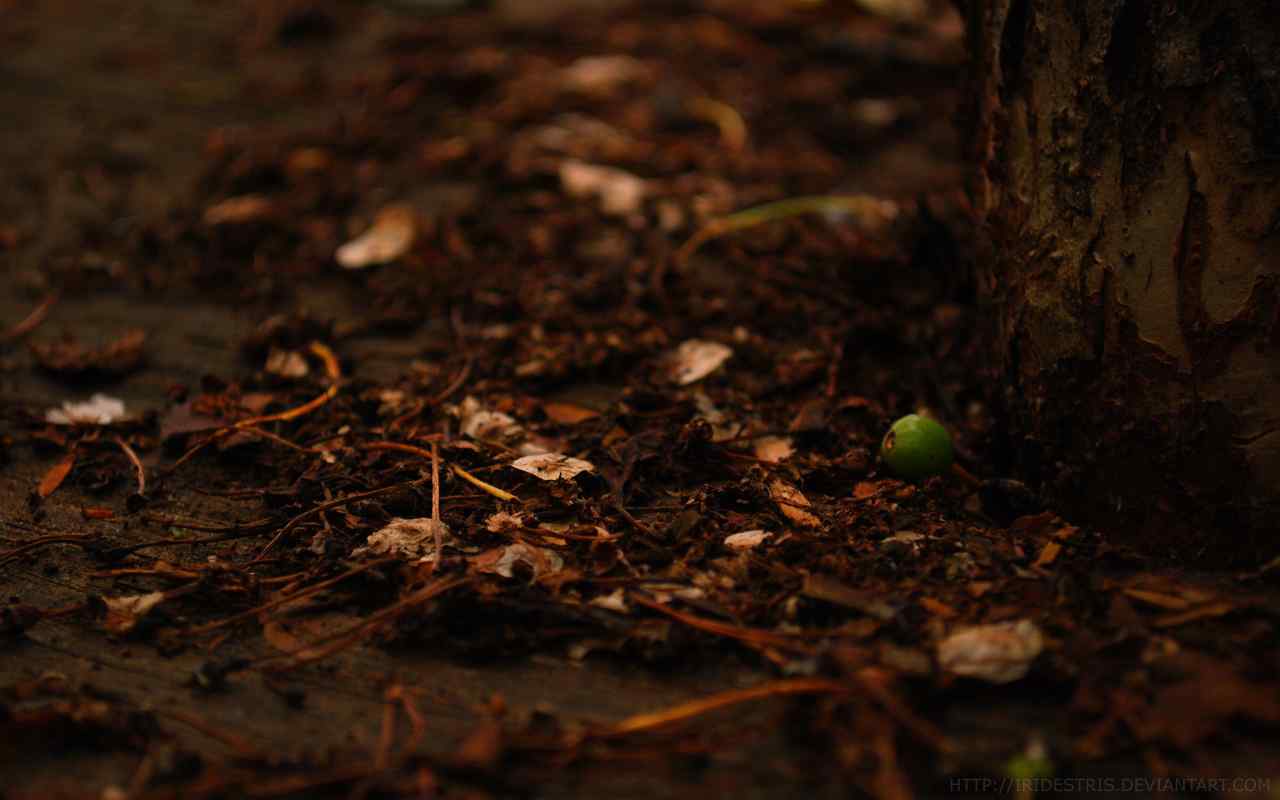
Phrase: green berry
(916, 448)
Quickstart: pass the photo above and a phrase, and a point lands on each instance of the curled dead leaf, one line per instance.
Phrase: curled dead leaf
(619, 193)
(124, 613)
(552, 466)
(792, 503)
(695, 359)
(504, 560)
(100, 409)
(999, 653)
(408, 538)
(746, 540)
(388, 238)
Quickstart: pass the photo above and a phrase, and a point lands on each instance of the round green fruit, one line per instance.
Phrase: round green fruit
(916, 448)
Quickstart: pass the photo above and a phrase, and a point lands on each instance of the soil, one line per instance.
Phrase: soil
(210, 596)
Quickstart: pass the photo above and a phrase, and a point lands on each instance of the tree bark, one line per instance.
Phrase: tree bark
(1129, 176)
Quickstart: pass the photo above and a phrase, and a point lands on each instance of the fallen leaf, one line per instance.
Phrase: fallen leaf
(504, 522)
(792, 503)
(600, 75)
(100, 409)
(389, 237)
(124, 613)
(503, 560)
(56, 475)
(239, 210)
(552, 466)
(695, 359)
(1158, 599)
(69, 357)
(408, 538)
(1194, 615)
(746, 540)
(898, 10)
(614, 601)
(938, 608)
(830, 590)
(999, 653)
(619, 193)
(723, 426)
(286, 364)
(1048, 554)
(480, 423)
(568, 413)
(774, 448)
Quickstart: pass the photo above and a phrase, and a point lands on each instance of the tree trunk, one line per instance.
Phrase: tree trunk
(1130, 182)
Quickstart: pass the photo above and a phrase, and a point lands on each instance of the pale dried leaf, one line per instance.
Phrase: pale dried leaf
(124, 613)
(747, 540)
(898, 10)
(614, 601)
(503, 522)
(239, 210)
(695, 359)
(619, 193)
(286, 363)
(999, 653)
(504, 560)
(774, 448)
(100, 409)
(481, 423)
(792, 503)
(407, 538)
(390, 236)
(723, 427)
(601, 74)
(552, 466)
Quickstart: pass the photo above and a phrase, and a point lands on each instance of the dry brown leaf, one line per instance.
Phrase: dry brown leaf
(568, 413)
(1158, 599)
(124, 613)
(999, 653)
(239, 210)
(552, 466)
(56, 475)
(695, 359)
(408, 538)
(600, 75)
(504, 560)
(69, 357)
(388, 238)
(1048, 554)
(747, 540)
(619, 193)
(774, 448)
(286, 363)
(1195, 614)
(792, 503)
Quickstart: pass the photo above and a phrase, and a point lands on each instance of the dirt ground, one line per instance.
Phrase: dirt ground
(209, 596)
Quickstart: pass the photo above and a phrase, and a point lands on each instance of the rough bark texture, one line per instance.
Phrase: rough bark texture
(1130, 154)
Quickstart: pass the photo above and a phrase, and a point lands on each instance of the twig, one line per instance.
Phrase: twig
(288, 598)
(325, 506)
(137, 465)
(684, 712)
(32, 321)
(501, 494)
(861, 205)
(351, 635)
(733, 129)
(333, 370)
(750, 635)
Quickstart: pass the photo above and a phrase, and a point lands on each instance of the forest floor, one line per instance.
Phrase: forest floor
(334, 268)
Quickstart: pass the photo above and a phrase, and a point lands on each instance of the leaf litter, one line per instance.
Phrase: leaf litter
(700, 267)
